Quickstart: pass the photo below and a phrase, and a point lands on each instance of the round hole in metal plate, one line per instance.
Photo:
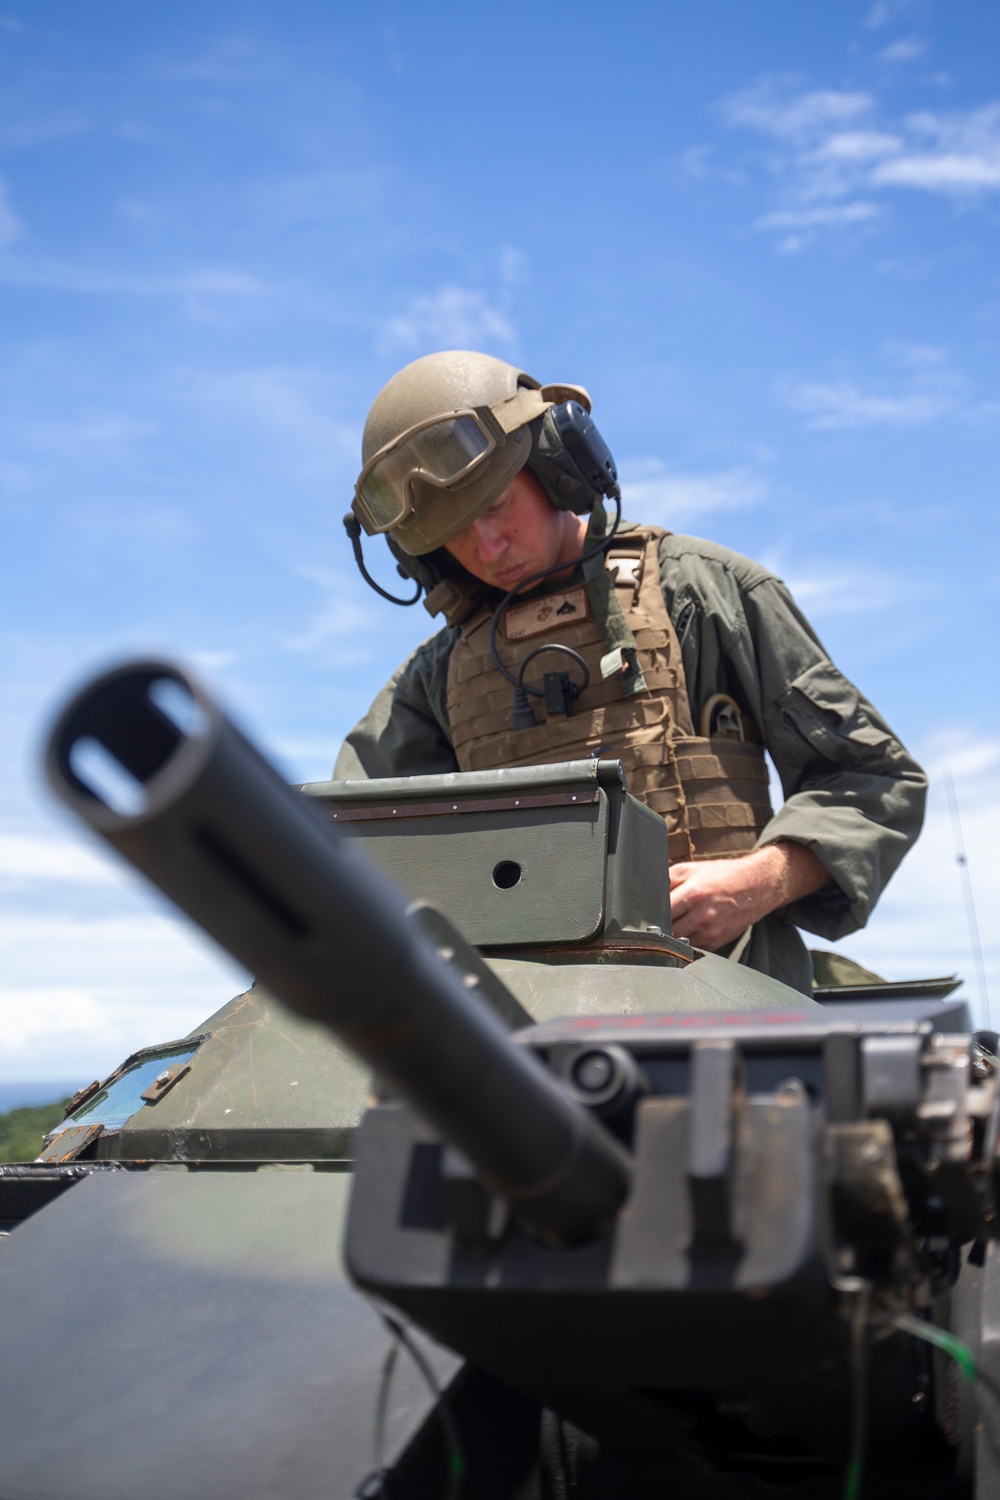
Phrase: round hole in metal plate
(506, 874)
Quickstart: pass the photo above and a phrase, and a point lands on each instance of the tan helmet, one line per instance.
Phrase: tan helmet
(443, 439)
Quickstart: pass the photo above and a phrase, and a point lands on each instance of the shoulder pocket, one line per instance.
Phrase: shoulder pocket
(826, 710)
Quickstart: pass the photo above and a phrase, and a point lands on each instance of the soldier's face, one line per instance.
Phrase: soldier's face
(521, 533)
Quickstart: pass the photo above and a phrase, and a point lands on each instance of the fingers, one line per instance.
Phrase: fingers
(713, 901)
(682, 898)
(705, 916)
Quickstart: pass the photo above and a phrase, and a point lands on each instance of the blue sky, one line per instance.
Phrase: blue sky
(764, 236)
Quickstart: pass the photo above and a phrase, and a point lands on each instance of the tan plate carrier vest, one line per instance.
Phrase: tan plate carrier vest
(713, 793)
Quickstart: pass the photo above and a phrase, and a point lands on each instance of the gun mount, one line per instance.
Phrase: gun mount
(707, 1228)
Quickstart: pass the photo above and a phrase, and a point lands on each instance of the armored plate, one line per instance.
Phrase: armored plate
(190, 1335)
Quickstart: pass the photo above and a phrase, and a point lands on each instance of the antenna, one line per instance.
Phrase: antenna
(970, 903)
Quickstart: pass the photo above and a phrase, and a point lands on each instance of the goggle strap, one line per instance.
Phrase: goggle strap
(520, 409)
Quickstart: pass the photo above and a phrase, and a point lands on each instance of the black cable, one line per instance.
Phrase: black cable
(576, 562)
(456, 1458)
(381, 1411)
(353, 528)
(575, 688)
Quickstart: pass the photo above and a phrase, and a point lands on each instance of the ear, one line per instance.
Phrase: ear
(557, 394)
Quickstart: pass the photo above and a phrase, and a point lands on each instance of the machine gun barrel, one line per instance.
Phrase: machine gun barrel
(211, 823)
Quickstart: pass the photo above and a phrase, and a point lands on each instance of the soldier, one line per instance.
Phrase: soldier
(681, 658)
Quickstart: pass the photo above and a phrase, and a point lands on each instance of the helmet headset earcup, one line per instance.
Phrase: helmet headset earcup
(570, 458)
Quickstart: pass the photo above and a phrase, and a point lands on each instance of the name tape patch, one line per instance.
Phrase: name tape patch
(522, 621)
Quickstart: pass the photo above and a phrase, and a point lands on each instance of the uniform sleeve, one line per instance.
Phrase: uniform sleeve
(852, 792)
(405, 732)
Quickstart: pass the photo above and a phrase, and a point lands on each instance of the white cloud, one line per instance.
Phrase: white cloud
(11, 228)
(883, 12)
(921, 926)
(702, 164)
(213, 661)
(513, 266)
(768, 107)
(33, 1015)
(292, 407)
(26, 858)
(927, 389)
(805, 222)
(348, 625)
(340, 619)
(833, 152)
(942, 174)
(228, 62)
(93, 433)
(841, 403)
(824, 594)
(306, 759)
(917, 356)
(905, 50)
(858, 145)
(810, 218)
(963, 752)
(655, 494)
(452, 318)
(80, 993)
(206, 282)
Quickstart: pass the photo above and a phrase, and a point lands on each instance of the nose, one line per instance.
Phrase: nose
(490, 540)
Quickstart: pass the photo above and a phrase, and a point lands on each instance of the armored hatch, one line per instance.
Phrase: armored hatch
(537, 857)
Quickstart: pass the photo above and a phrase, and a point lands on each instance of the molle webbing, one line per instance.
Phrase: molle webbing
(712, 793)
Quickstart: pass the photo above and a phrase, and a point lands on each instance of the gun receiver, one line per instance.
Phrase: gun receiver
(726, 1194)
(251, 860)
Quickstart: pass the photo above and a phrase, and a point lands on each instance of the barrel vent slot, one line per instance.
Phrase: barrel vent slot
(97, 769)
(116, 741)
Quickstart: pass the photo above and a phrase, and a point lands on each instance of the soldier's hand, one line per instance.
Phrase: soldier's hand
(714, 901)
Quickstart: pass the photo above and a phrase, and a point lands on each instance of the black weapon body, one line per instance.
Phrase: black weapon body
(694, 1235)
(248, 857)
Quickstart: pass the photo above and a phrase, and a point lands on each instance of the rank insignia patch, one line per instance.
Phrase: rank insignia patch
(521, 621)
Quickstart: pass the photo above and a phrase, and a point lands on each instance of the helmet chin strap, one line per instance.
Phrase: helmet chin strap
(353, 528)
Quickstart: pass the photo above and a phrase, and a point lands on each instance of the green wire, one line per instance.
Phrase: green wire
(947, 1342)
(931, 1334)
(852, 1484)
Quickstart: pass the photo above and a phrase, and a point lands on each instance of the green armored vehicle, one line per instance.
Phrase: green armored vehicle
(624, 1218)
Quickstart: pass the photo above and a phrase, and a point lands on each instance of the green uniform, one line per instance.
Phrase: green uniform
(852, 793)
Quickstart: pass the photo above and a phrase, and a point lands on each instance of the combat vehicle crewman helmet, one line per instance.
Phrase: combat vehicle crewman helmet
(443, 439)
